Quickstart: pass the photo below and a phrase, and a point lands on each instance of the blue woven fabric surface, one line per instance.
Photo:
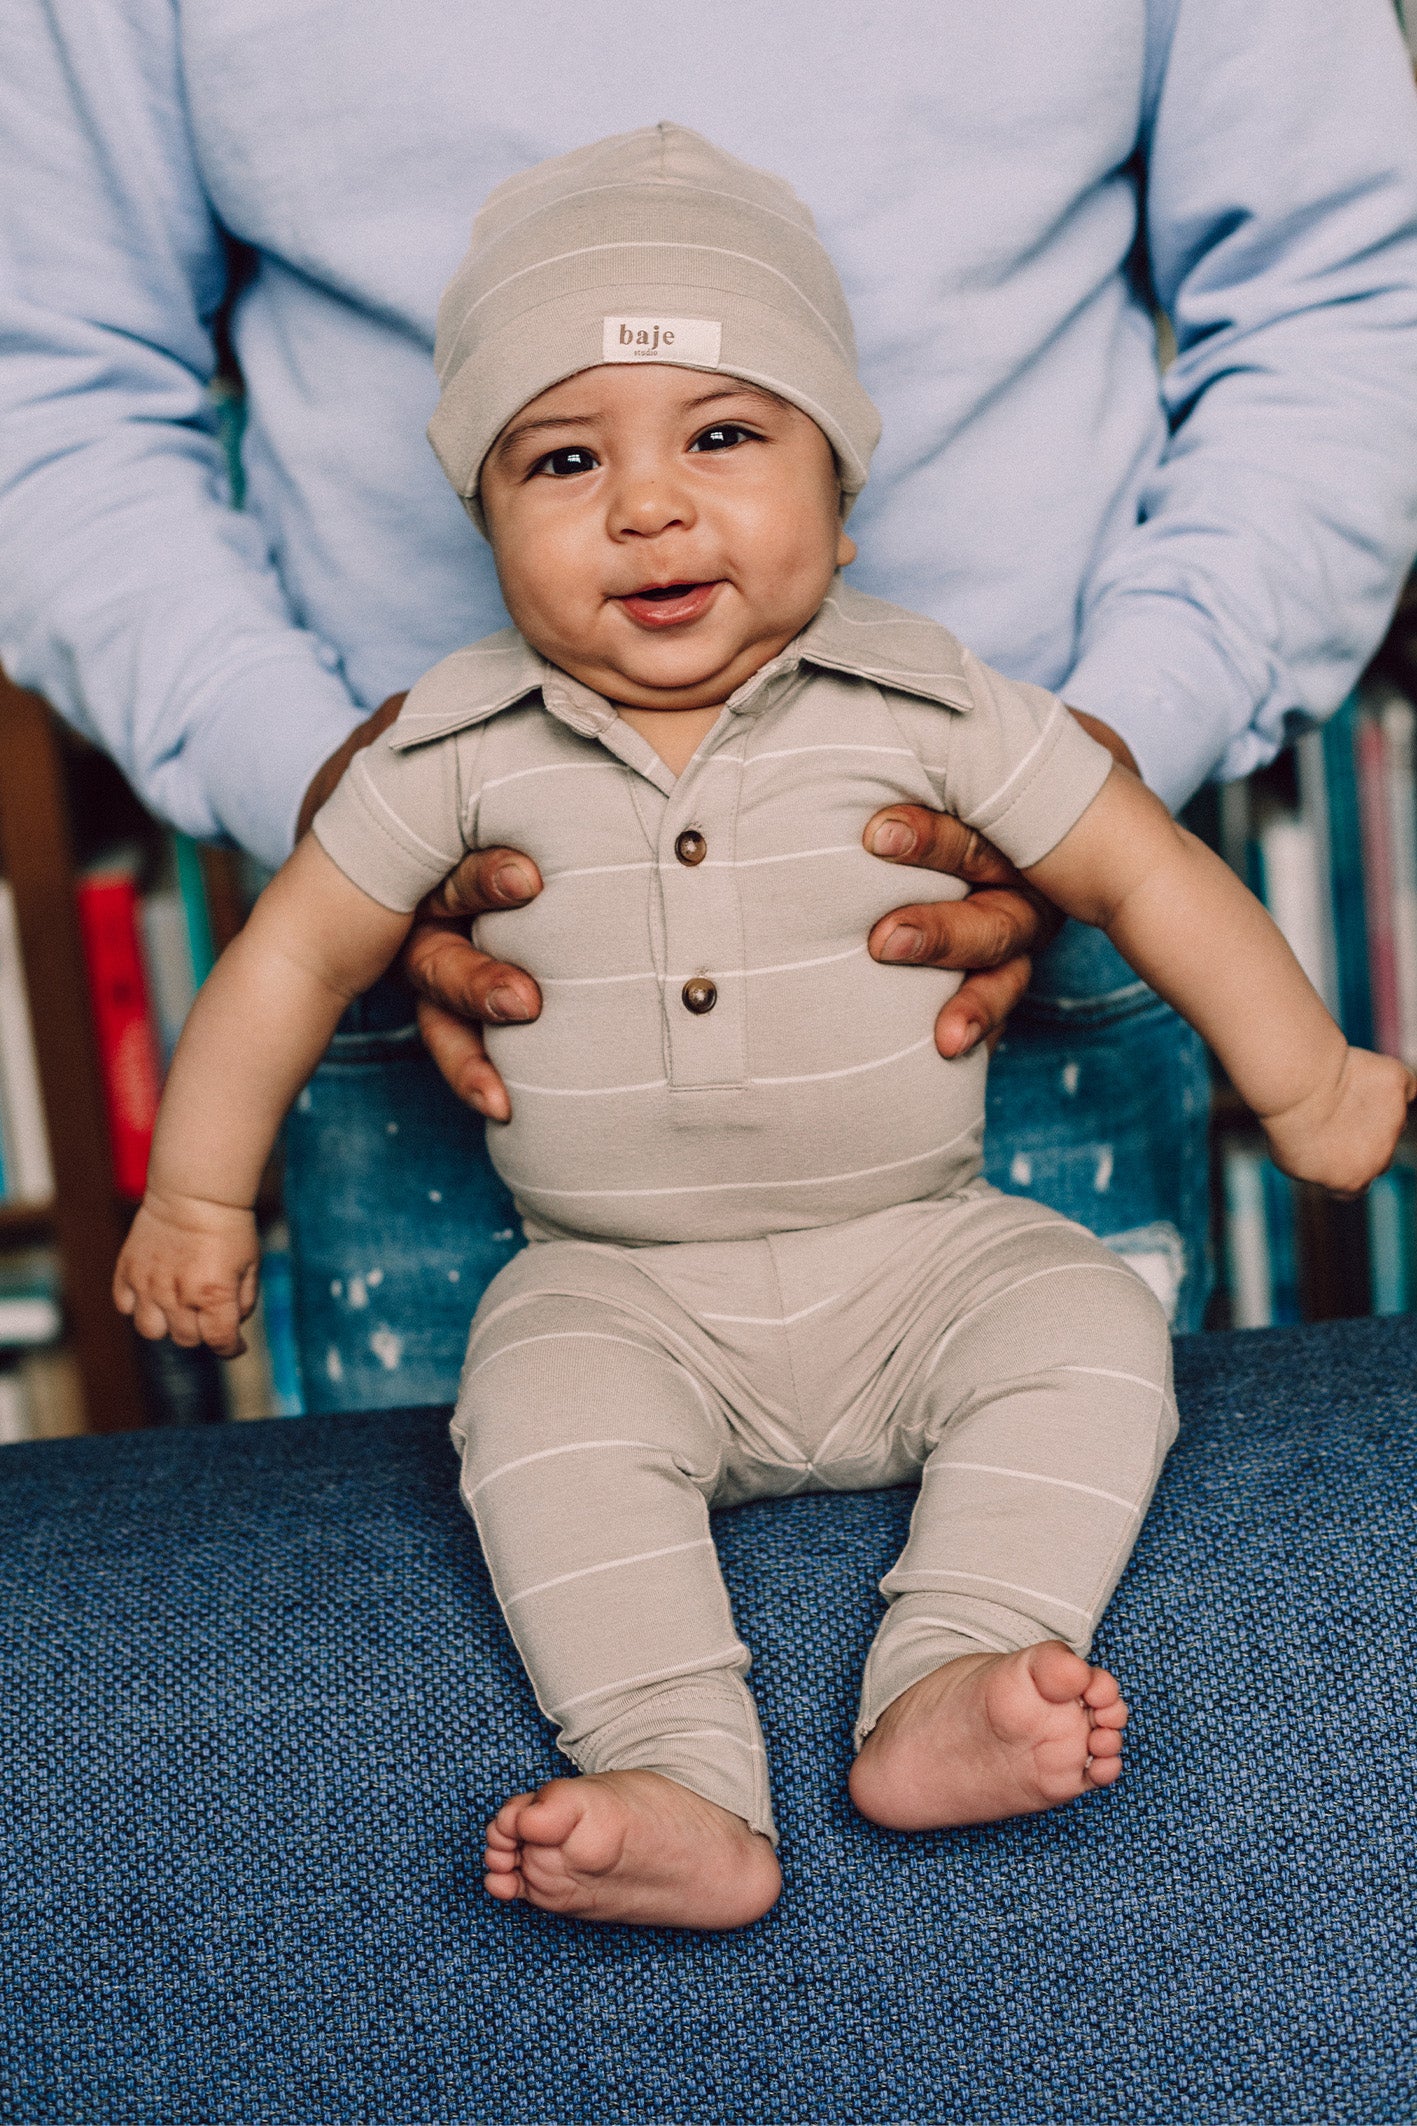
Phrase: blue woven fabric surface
(258, 1703)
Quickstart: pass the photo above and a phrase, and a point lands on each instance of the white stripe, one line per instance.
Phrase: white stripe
(717, 1188)
(553, 767)
(693, 1734)
(1109, 1373)
(368, 783)
(595, 871)
(649, 1675)
(774, 1321)
(1029, 1476)
(986, 1579)
(793, 856)
(650, 1085)
(545, 1454)
(982, 808)
(961, 1630)
(586, 1572)
(1060, 1269)
(725, 974)
(586, 1092)
(593, 1336)
(852, 1070)
(558, 258)
(795, 753)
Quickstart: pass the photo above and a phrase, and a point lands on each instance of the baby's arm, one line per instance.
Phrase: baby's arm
(261, 1022)
(1332, 1113)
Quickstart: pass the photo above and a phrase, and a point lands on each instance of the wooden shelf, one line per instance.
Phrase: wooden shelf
(85, 1221)
(26, 1221)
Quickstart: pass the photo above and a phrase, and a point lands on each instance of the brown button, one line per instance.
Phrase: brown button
(691, 848)
(699, 995)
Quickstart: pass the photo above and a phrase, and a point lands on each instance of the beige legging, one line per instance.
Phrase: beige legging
(611, 1396)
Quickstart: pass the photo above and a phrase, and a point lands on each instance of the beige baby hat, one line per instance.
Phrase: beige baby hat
(651, 246)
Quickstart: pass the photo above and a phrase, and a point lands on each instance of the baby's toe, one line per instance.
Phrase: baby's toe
(1102, 1691)
(1104, 1742)
(1103, 1771)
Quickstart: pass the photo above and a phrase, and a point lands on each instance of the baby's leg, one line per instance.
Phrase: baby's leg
(1046, 1410)
(589, 1454)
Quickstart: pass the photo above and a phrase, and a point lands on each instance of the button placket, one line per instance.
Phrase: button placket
(704, 1001)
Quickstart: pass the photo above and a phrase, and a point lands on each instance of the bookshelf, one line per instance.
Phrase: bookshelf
(85, 1220)
(61, 801)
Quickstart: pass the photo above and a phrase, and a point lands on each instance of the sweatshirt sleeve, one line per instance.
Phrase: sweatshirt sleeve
(131, 594)
(1271, 541)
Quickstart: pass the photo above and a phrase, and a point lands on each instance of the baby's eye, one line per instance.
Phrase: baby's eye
(565, 463)
(724, 435)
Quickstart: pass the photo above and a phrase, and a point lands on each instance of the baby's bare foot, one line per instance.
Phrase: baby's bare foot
(988, 1736)
(630, 1846)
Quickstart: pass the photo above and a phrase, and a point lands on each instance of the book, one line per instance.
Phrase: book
(1345, 837)
(1392, 1230)
(122, 1018)
(1294, 887)
(1398, 722)
(167, 955)
(1370, 753)
(1247, 1262)
(14, 1407)
(29, 1174)
(201, 948)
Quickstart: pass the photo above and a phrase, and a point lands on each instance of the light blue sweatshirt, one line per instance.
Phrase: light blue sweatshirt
(1196, 558)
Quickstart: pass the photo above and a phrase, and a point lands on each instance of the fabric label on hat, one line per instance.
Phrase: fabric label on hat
(692, 340)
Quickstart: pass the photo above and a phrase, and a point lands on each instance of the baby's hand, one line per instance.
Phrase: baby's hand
(1344, 1136)
(189, 1270)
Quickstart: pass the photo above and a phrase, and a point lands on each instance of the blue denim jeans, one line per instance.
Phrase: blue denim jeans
(1098, 1105)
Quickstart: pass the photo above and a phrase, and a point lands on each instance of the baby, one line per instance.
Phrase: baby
(762, 1260)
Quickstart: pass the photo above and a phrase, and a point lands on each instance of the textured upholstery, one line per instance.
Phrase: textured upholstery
(257, 1703)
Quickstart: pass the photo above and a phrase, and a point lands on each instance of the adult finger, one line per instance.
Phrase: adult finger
(977, 1010)
(991, 925)
(447, 969)
(457, 1050)
(485, 880)
(937, 841)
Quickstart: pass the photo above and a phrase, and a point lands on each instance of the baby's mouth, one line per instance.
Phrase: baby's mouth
(668, 604)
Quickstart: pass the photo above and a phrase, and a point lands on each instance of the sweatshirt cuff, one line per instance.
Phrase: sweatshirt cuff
(1155, 672)
(244, 769)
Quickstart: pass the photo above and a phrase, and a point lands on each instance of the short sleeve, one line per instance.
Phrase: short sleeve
(1020, 768)
(394, 823)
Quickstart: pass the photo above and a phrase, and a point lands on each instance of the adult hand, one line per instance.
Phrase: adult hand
(458, 988)
(992, 935)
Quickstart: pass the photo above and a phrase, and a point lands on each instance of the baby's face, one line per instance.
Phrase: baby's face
(661, 533)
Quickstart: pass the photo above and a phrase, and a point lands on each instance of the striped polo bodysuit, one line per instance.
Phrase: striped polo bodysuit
(762, 1259)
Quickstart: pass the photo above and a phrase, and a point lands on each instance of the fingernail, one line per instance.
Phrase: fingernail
(903, 943)
(892, 838)
(504, 1003)
(512, 882)
(971, 1040)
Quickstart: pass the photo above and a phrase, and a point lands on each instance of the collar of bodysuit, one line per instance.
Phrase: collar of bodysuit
(860, 637)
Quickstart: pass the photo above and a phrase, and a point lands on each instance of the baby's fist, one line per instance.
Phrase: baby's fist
(1345, 1137)
(189, 1270)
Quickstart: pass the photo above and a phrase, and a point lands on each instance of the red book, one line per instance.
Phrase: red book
(122, 1018)
(1371, 755)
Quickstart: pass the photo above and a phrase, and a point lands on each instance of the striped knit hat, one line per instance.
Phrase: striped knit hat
(651, 246)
